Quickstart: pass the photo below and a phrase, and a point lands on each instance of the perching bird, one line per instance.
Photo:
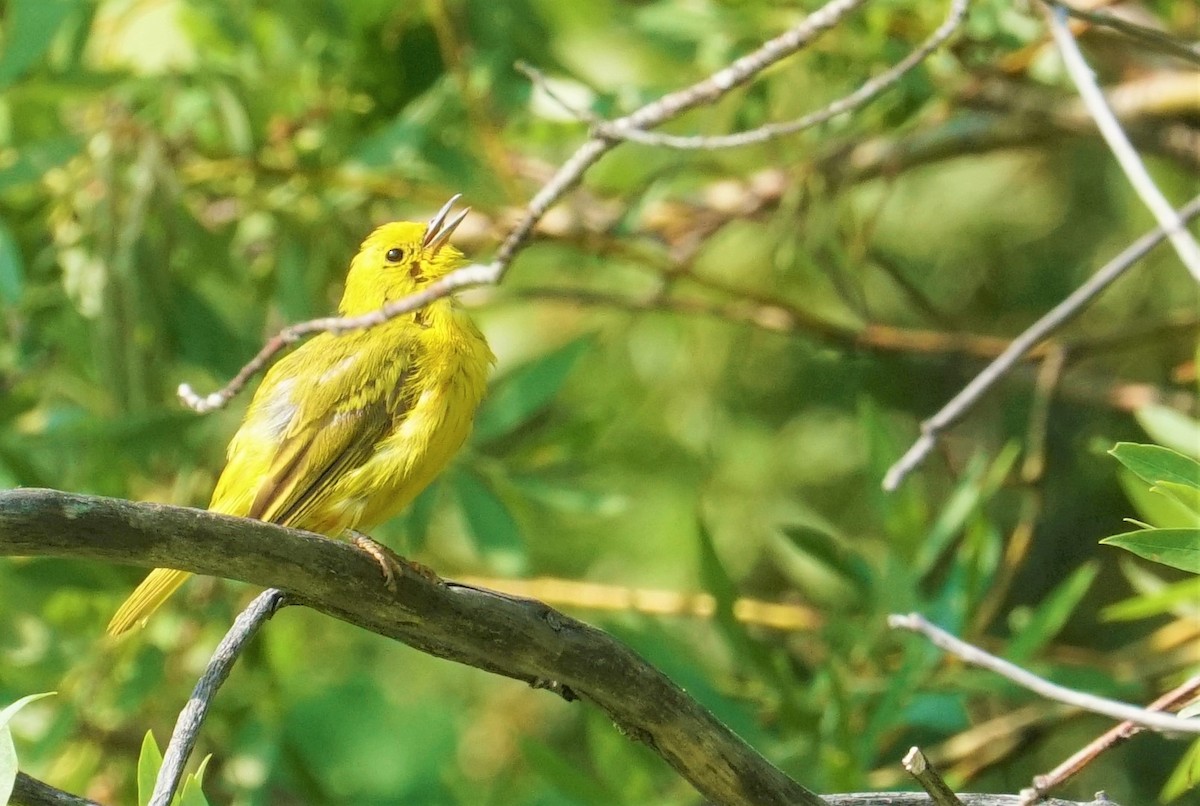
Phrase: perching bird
(344, 432)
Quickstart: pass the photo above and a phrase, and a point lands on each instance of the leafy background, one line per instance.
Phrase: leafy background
(707, 361)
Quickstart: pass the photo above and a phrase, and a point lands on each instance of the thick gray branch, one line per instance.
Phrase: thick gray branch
(518, 638)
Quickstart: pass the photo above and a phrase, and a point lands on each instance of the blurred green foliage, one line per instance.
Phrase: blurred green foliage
(696, 390)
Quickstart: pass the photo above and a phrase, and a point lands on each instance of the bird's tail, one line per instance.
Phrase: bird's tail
(146, 598)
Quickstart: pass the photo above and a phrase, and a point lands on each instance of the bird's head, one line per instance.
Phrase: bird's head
(400, 258)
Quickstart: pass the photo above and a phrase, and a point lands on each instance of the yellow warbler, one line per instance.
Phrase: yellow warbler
(345, 431)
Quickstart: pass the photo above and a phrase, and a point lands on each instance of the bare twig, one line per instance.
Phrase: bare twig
(1058, 776)
(191, 718)
(866, 93)
(919, 768)
(568, 175)
(1154, 720)
(1058, 316)
(1085, 81)
(1149, 37)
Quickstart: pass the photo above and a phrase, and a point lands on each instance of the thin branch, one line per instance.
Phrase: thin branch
(1085, 81)
(191, 718)
(919, 768)
(1150, 37)
(1058, 776)
(568, 175)
(866, 93)
(519, 638)
(1154, 720)
(1058, 316)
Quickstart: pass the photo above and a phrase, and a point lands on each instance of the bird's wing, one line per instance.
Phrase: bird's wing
(319, 432)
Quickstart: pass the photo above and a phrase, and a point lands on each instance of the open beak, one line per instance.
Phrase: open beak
(440, 229)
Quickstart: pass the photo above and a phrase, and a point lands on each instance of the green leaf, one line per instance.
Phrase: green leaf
(1171, 428)
(149, 762)
(1052, 614)
(1187, 496)
(1154, 463)
(419, 515)
(12, 267)
(191, 793)
(34, 159)
(1154, 596)
(8, 750)
(525, 391)
(1178, 548)
(721, 587)
(30, 26)
(979, 483)
(1160, 510)
(575, 784)
(835, 555)
(493, 525)
(1185, 776)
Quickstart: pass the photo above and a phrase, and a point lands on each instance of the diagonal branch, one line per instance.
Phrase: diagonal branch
(518, 638)
(1085, 82)
(1058, 316)
(191, 718)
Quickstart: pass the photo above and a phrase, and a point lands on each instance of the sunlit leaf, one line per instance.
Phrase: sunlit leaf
(1187, 496)
(8, 751)
(1178, 548)
(1154, 463)
(1155, 597)
(149, 763)
(1171, 428)
(191, 793)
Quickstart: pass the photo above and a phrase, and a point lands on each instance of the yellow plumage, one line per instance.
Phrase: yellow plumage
(344, 432)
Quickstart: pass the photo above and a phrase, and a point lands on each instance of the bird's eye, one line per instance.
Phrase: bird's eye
(395, 255)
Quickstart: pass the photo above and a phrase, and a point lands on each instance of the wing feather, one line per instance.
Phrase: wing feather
(309, 439)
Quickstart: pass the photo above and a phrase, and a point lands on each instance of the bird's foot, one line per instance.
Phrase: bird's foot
(391, 563)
